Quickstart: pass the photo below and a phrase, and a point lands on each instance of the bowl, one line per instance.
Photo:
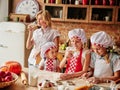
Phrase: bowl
(6, 84)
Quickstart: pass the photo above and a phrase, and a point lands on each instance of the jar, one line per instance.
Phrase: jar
(84, 2)
(47, 1)
(76, 2)
(52, 1)
(112, 2)
(96, 2)
(104, 2)
(58, 2)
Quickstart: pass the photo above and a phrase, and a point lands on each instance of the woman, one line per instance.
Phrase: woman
(37, 37)
(106, 65)
(76, 56)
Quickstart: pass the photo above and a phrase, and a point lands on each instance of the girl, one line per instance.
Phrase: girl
(76, 56)
(106, 65)
(49, 60)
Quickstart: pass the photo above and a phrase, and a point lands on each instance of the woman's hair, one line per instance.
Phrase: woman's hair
(45, 16)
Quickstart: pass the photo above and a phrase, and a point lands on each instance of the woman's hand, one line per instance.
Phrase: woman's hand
(32, 27)
(93, 80)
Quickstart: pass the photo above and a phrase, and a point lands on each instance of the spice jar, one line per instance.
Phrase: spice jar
(84, 2)
(96, 2)
(76, 2)
(104, 2)
(112, 2)
(58, 2)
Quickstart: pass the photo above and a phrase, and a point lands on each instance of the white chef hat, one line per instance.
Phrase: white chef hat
(80, 33)
(47, 46)
(102, 39)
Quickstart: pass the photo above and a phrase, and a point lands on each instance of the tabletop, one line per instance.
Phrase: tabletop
(18, 85)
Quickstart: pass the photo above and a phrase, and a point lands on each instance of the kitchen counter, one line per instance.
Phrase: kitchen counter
(18, 85)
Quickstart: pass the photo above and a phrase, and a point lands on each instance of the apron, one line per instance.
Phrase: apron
(74, 64)
(102, 69)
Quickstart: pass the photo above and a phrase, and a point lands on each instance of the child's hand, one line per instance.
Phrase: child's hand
(68, 54)
(93, 80)
(65, 76)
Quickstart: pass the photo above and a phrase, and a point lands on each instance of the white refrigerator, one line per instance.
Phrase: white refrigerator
(12, 42)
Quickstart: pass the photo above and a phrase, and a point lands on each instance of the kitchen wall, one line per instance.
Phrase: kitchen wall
(113, 30)
(64, 27)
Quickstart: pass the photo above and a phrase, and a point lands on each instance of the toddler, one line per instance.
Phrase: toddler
(49, 60)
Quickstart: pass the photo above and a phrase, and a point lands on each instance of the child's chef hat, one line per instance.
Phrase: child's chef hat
(101, 38)
(80, 33)
(46, 47)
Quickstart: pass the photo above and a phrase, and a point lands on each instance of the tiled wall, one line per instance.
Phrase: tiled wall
(64, 27)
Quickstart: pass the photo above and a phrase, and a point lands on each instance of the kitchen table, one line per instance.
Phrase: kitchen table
(18, 85)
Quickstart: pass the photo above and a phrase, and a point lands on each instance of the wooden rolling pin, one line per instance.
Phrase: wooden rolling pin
(23, 78)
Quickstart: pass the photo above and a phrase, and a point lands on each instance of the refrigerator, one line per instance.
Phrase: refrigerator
(12, 42)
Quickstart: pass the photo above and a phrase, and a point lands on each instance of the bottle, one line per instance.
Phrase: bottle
(84, 2)
(58, 2)
(47, 1)
(104, 2)
(96, 2)
(112, 2)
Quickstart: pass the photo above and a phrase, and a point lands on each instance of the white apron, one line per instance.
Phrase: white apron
(102, 69)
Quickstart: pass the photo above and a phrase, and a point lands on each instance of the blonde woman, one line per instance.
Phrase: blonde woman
(37, 37)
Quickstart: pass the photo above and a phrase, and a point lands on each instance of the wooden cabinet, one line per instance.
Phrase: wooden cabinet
(117, 17)
(91, 13)
(77, 13)
(100, 14)
(56, 11)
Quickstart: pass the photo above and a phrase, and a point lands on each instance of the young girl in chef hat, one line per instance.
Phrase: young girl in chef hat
(76, 57)
(106, 65)
(49, 60)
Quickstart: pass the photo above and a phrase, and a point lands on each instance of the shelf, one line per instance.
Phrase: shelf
(100, 14)
(76, 13)
(91, 13)
(117, 19)
(56, 11)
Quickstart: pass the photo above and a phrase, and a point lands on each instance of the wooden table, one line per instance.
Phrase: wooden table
(19, 86)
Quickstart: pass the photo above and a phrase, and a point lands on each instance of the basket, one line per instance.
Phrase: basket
(5, 84)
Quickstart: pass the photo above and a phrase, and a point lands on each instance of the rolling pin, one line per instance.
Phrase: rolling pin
(23, 78)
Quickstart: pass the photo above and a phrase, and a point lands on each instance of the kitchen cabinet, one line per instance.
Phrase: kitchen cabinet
(93, 12)
(117, 17)
(100, 14)
(56, 11)
(76, 13)
(68, 13)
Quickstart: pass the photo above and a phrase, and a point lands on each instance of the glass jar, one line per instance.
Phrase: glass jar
(84, 2)
(112, 2)
(76, 2)
(96, 2)
(104, 2)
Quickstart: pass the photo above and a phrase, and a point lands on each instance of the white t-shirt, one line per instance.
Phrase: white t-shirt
(41, 38)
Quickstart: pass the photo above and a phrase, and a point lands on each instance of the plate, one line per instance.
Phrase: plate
(6, 84)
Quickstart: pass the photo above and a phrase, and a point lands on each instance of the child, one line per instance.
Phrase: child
(106, 65)
(49, 60)
(76, 56)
